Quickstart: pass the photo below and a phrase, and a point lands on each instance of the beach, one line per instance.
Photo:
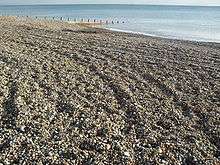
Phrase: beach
(74, 94)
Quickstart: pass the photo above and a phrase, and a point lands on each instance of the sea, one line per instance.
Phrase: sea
(196, 23)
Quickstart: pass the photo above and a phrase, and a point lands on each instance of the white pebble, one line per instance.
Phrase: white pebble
(127, 154)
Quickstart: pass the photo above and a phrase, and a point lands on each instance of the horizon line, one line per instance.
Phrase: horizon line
(46, 4)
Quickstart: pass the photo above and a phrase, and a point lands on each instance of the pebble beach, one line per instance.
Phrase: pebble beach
(75, 94)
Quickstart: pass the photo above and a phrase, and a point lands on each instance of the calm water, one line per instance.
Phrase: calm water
(190, 23)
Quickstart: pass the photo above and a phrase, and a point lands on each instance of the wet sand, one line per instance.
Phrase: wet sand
(71, 94)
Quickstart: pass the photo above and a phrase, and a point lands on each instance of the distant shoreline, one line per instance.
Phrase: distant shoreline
(197, 23)
(158, 36)
(103, 26)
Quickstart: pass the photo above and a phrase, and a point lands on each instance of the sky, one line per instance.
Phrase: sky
(165, 2)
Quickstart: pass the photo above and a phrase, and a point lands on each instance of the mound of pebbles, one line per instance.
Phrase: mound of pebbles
(68, 96)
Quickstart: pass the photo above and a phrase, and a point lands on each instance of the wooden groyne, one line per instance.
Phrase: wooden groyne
(70, 19)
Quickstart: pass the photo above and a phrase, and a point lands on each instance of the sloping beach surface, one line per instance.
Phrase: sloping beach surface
(77, 95)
